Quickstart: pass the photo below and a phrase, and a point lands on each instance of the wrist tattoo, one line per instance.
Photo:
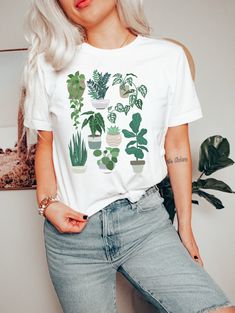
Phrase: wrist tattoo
(176, 160)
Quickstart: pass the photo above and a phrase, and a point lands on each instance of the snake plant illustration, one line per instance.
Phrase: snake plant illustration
(213, 156)
(113, 136)
(127, 89)
(138, 145)
(78, 153)
(96, 124)
(97, 89)
(76, 87)
(108, 158)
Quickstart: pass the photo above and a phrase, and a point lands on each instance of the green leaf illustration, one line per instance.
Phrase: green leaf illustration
(143, 90)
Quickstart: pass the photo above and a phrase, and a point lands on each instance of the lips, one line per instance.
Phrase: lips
(82, 3)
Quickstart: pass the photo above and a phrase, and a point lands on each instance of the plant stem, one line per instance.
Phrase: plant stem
(200, 175)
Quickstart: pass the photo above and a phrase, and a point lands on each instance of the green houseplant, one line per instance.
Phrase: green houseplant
(138, 144)
(127, 89)
(213, 156)
(76, 87)
(78, 153)
(108, 158)
(97, 89)
(113, 137)
(96, 124)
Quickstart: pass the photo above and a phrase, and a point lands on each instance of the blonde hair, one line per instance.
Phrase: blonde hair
(49, 31)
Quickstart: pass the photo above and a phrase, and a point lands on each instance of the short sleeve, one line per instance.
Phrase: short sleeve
(184, 103)
(37, 113)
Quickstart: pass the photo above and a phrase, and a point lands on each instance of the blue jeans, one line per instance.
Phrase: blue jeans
(139, 240)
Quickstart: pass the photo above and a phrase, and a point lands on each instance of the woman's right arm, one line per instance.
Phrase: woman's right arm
(64, 218)
(44, 169)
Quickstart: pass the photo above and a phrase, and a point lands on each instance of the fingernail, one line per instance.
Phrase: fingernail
(85, 217)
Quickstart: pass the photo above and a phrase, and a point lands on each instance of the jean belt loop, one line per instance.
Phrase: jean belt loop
(156, 187)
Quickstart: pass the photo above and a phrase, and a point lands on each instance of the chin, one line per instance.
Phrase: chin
(92, 13)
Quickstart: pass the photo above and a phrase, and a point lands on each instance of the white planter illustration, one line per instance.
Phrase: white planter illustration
(100, 104)
(137, 165)
(79, 169)
(113, 137)
(104, 168)
(94, 142)
(113, 140)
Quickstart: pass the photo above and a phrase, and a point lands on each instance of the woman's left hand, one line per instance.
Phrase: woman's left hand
(187, 238)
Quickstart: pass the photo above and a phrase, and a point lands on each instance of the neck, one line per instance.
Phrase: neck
(108, 34)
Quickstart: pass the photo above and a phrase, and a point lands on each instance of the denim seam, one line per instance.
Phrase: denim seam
(147, 291)
(216, 306)
(114, 296)
(103, 218)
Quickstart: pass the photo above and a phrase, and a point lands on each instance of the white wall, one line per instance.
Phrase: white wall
(206, 27)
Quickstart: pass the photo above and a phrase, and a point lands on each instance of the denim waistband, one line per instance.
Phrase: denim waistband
(151, 189)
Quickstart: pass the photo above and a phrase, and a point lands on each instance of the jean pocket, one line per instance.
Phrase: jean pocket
(149, 202)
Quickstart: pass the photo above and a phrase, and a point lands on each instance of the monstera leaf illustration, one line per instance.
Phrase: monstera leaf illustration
(213, 156)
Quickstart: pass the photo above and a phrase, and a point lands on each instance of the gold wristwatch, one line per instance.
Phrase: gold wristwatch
(45, 202)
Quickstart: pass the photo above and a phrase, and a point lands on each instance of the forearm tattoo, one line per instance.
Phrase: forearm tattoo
(176, 160)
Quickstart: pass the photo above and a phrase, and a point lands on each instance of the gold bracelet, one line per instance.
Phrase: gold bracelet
(45, 202)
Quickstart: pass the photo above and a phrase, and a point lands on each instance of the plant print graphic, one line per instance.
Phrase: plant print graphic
(131, 95)
(127, 89)
(113, 137)
(97, 88)
(138, 145)
(108, 158)
(76, 87)
(78, 153)
(96, 124)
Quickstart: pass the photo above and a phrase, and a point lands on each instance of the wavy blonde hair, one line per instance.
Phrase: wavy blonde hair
(49, 31)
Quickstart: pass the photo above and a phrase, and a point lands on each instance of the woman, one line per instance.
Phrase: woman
(108, 103)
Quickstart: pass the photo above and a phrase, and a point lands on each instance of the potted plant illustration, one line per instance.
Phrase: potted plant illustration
(97, 88)
(113, 137)
(76, 87)
(78, 153)
(213, 156)
(138, 144)
(96, 124)
(108, 158)
(127, 89)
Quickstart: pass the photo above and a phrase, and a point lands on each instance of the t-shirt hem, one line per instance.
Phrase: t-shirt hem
(38, 125)
(186, 118)
(95, 209)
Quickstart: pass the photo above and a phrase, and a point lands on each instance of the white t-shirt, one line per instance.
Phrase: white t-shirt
(109, 111)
